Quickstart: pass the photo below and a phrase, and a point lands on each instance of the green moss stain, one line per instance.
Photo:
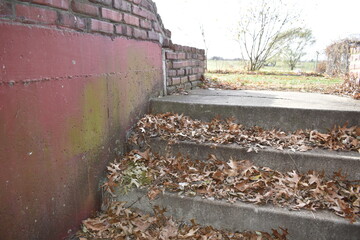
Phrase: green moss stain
(88, 131)
(110, 104)
(114, 101)
(141, 77)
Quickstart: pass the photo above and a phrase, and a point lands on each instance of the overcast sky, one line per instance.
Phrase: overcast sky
(329, 20)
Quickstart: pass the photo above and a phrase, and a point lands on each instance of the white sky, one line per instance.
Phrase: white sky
(329, 20)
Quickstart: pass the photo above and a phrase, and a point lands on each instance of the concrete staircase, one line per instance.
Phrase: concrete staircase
(284, 110)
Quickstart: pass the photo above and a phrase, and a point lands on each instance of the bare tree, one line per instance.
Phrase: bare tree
(262, 30)
(295, 46)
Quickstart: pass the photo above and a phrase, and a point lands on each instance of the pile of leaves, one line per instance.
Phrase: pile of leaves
(241, 181)
(345, 89)
(175, 127)
(121, 223)
(348, 88)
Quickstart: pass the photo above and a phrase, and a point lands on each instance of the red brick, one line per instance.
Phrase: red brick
(200, 57)
(100, 26)
(112, 15)
(152, 16)
(132, 20)
(122, 5)
(181, 56)
(124, 30)
(145, 4)
(178, 48)
(85, 8)
(145, 24)
(193, 78)
(102, 2)
(184, 79)
(176, 80)
(167, 43)
(5, 9)
(154, 36)
(141, 34)
(180, 72)
(188, 71)
(136, 1)
(68, 20)
(156, 27)
(180, 64)
(168, 33)
(168, 82)
(170, 55)
(35, 14)
(141, 12)
(172, 73)
(63, 4)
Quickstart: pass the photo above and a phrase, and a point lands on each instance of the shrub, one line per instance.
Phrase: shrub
(321, 67)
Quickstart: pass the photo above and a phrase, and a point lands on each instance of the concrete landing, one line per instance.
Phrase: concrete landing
(268, 109)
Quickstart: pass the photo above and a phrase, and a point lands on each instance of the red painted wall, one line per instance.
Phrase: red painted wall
(66, 102)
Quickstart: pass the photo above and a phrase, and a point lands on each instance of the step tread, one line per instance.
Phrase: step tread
(273, 99)
(281, 160)
(240, 216)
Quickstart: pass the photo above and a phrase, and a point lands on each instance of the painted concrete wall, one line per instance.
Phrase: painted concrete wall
(75, 75)
(66, 102)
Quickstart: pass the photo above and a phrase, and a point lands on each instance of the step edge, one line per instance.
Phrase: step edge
(351, 156)
(164, 101)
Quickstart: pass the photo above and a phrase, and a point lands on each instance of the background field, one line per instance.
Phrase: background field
(232, 65)
(233, 75)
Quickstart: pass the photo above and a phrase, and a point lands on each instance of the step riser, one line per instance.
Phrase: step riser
(278, 160)
(240, 216)
(287, 119)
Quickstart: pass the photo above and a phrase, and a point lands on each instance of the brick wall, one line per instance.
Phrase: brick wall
(354, 66)
(137, 19)
(133, 19)
(185, 67)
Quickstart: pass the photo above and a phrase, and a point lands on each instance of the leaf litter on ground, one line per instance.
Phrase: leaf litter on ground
(121, 223)
(240, 181)
(175, 127)
(213, 179)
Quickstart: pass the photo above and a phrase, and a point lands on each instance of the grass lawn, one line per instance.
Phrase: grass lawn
(231, 65)
(274, 82)
(224, 74)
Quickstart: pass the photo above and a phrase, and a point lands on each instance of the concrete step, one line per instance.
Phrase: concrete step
(320, 225)
(288, 111)
(284, 160)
